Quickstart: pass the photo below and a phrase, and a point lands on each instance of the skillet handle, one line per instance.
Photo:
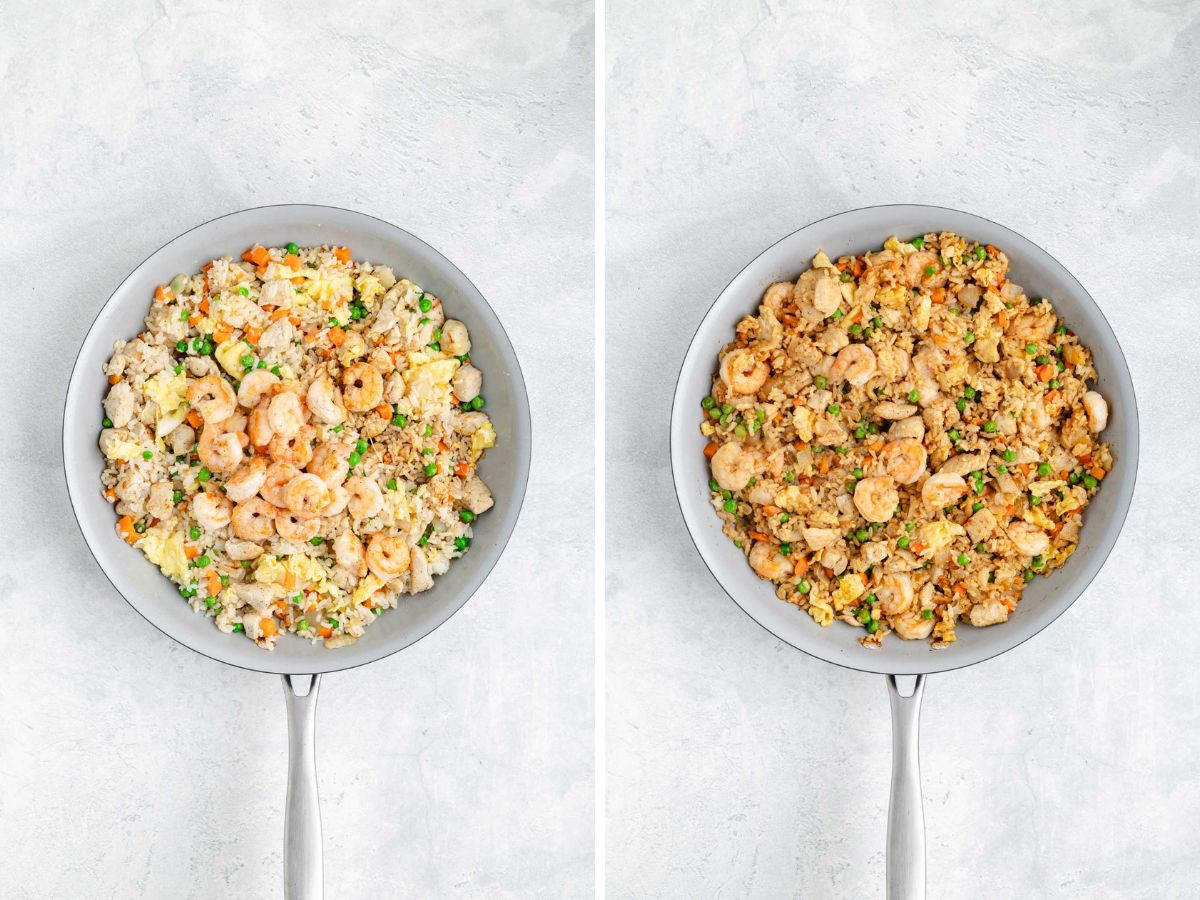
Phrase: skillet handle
(303, 866)
(906, 818)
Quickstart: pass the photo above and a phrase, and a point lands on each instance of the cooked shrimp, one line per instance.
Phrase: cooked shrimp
(338, 498)
(876, 498)
(295, 450)
(455, 339)
(733, 465)
(212, 510)
(349, 553)
(924, 268)
(330, 462)
(285, 415)
(240, 550)
(258, 427)
(245, 482)
(252, 519)
(292, 526)
(855, 363)
(943, 489)
(255, 385)
(912, 427)
(275, 483)
(387, 557)
(366, 499)
(779, 295)
(306, 495)
(219, 450)
(895, 593)
(362, 387)
(911, 625)
(742, 372)
(325, 401)
(904, 459)
(769, 563)
(212, 397)
(1096, 408)
(1028, 539)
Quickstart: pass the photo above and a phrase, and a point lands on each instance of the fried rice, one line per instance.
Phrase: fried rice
(293, 441)
(903, 440)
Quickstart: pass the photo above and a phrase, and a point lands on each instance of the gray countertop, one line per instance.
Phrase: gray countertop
(134, 767)
(737, 767)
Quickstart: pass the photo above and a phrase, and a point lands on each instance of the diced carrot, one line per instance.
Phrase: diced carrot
(710, 450)
(125, 526)
(295, 320)
(326, 303)
(1085, 460)
(960, 589)
(442, 448)
(113, 379)
(280, 606)
(292, 261)
(759, 536)
(876, 446)
(1025, 468)
(801, 565)
(770, 509)
(823, 465)
(938, 295)
(194, 419)
(253, 333)
(1002, 318)
(1045, 373)
(325, 631)
(919, 547)
(310, 336)
(342, 253)
(289, 580)
(280, 313)
(1009, 510)
(162, 293)
(1097, 473)
(1052, 396)
(191, 551)
(204, 305)
(110, 495)
(261, 271)
(214, 583)
(223, 333)
(257, 255)
(268, 626)
(992, 251)
(298, 280)
(462, 469)
(208, 265)
(337, 336)
(327, 353)
(369, 603)
(268, 307)
(383, 410)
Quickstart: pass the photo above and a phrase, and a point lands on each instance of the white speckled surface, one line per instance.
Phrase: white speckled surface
(130, 765)
(737, 767)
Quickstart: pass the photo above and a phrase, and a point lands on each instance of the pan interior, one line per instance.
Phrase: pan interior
(852, 233)
(505, 467)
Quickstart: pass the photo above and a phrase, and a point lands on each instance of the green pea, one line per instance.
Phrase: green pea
(833, 409)
(466, 516)
(1035, 500)
(977, 506)
(980, 253)
(461, 543)
(292, 248)
(784, 518)
(1040, 359)
(789, 477)
(238, 628)
(1038, 562)
(962, 559)
(837, 314)
(914, 395)
(478, 402)
(1031, 348)
(1029, 575)
(337, 429)
(391, 484)
(952, 434)
(819, 382)
(1043, 469)
(857, 473)
(785, 549)
(177, 497)
(354, 458)
(194, 533)
(425, 303)
(317, 541)
(861, 535)
(960, 404)
(856, 329)
(435, 346)
(276, 372)
(918, 242)
(399, 420)
(803, 586)
(431, 469)
(224, 581)
(707, 403)
(860, 432)
(333, 623)
(1090, 482)
(302, 625)
(1009, 455)
(990, 426)
(202, 561)
(147, 454)
(713, 486)
(179, 369)
(872, 626)
(927, 614)
(184, 315)
(181, 346)
(1055, 384)
(930, 270)
(909, 526)
(740, 432)
(903, 543)
(730, 506)
(244, 291)
(970, 337)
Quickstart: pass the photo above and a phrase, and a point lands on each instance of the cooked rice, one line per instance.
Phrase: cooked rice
(293, 441)
(834, 405)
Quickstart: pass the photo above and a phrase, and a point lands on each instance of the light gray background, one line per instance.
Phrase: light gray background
(130, 766)
(737, 767)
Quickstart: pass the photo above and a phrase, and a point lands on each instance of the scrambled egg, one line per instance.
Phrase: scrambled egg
(936, 535)
(164, 548)
(1035, 516)
(306, 571)
(368, 288)
(849, 589)
(790, 498)
(126, 450)
(334, 288)
(169, 391)
(427, 386)
(822, 614)
(482, 439)
(366, 588)
(821, 261)
(229, 355)
(894, 244)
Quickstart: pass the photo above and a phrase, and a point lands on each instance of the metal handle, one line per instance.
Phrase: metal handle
(906, 818)
(303, 867)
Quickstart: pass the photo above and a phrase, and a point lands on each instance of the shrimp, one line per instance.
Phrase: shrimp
(330, 462)
(1028, 539)
(912, 427)
(918, 266)
(276, 481)
(212, 510)
(779, 295)
(943, 489)
(362, 387)
(291, 526)
(733, 465)
(1096, 408)
(255, 385)
(911, 625)
(252, 520)
(258, 427)
(212, 397)
(467, 382)
(366, 499)
(876, 498)
(387, 557)
(904, 459)
(161, 503)
(325, 401)
(455, 339)
(295, 450)
(895, 593)
(240, 550)
(246, 480)
(348, 551)
(855, 363)
(769, 563)
(306, 495)
(220, 451)
(285, 415)
(742, 372)
(338, 498)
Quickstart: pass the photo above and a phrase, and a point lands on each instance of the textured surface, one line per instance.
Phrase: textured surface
(130, 765)
(739, 767)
